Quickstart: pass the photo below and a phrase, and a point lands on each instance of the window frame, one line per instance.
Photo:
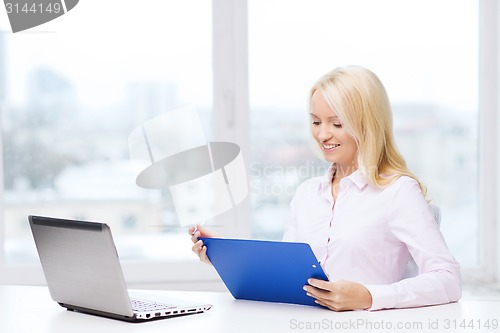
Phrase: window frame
(231, 123)
(488, 269)
(230, 93)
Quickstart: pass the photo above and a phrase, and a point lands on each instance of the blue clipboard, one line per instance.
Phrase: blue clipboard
(265, 270)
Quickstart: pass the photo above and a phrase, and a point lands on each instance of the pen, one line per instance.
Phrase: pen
(196, 227)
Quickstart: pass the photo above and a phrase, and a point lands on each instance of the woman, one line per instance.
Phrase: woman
(368, 214)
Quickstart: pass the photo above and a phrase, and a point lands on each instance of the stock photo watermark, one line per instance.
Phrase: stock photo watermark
(437, 324)
(279, 180)
(25, 14)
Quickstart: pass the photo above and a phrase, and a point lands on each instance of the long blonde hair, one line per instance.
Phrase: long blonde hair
(359, 98)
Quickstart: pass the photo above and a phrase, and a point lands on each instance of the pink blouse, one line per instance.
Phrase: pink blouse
(368, 235)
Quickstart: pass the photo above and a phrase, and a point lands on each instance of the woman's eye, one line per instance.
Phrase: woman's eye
(338, 125)
(316, 123)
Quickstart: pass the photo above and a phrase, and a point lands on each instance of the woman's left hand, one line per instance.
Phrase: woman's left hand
(339, 295)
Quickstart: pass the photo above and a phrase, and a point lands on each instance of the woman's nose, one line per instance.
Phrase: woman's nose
(324, 133)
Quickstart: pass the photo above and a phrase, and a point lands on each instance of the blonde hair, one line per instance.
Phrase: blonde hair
(359, 98)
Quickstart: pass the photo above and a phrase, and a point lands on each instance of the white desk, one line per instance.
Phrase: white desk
(31, 310)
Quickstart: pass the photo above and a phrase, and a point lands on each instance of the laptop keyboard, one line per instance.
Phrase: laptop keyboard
(146, 306)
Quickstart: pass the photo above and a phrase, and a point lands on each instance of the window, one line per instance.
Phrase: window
(71, 95)
(430, 70)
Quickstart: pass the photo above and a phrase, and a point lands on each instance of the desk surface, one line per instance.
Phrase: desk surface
(30, 309)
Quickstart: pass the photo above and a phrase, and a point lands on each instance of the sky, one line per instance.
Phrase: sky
(104, 45)
(423, 50)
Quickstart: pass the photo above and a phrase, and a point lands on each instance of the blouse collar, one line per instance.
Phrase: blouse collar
(357, 178)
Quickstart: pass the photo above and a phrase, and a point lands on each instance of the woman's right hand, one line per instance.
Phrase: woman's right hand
(198, 248)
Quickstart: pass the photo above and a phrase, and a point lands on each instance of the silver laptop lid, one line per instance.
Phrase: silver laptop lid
(80, 264)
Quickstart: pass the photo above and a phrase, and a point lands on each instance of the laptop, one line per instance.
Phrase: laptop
(83, 273)
(265, 270)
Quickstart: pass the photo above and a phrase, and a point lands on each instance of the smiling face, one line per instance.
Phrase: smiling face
(337, 145)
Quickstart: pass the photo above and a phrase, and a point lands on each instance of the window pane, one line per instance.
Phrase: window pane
(74, 93)
(425, 52)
